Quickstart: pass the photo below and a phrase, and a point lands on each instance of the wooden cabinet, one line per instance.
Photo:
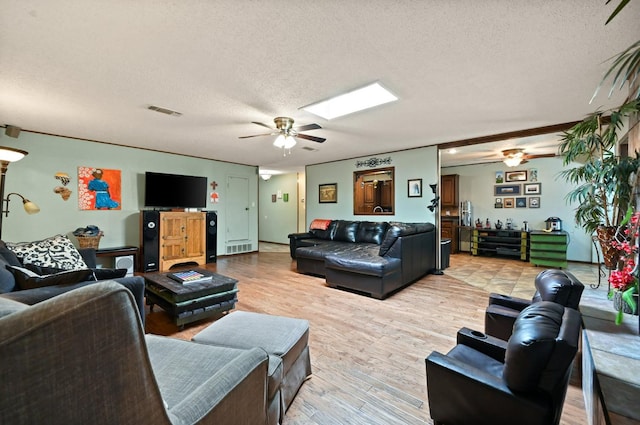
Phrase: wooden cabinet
(182, 238)
(507, 243)
(449, 190)
(449, 230)
(549, 249)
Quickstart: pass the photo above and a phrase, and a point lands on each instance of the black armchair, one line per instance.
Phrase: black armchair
(551, 285)
(485, 380)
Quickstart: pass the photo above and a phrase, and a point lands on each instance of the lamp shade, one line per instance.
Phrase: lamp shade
(289, 142)
(11, 154)
(30, 207)
(279, 142)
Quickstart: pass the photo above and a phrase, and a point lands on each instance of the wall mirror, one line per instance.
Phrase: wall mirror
(373, 192)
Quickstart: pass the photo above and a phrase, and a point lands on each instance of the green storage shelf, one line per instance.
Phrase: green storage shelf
(548, 249)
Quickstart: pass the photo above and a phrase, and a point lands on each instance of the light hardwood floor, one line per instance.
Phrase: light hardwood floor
(368, 355)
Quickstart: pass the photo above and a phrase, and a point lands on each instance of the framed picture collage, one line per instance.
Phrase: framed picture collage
(517, 189)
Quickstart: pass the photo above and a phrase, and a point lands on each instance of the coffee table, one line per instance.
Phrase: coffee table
(189, 302)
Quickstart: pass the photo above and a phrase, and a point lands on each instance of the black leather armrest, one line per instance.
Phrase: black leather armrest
(508, 301)
(479, 341)
(293, 241)
(298, 236)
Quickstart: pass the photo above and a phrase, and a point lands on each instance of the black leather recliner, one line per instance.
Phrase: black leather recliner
(551, 285)
(486, 380)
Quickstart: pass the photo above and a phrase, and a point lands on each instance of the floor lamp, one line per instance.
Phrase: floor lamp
(8, 155)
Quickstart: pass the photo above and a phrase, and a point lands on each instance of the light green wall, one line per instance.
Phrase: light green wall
(278, 219)
(33, 177)
(477, 185)
(409, 164)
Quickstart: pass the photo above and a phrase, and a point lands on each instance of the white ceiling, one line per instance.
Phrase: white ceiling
(462, 69)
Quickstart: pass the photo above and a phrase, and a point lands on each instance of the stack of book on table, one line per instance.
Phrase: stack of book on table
(189, 276)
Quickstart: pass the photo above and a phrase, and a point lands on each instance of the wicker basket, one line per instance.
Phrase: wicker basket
(89, 241)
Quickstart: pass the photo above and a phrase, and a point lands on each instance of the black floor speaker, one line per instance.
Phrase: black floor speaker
(150, 241)
(212, 236)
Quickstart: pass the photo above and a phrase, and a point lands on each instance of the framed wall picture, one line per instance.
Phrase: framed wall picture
(521, 202)
(498, 203)
(414, 188)
(508, 202)
(506, 189)
(532, 188)
(328, 193)
(499, 177)
(534, 202)
(515, 176)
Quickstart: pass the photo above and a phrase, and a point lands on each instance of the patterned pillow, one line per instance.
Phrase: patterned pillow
(57, 251)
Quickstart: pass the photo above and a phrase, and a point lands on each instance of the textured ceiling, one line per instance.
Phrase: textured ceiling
(462, 69)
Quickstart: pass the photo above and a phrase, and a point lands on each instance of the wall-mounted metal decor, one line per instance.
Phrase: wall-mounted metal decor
(373, 162)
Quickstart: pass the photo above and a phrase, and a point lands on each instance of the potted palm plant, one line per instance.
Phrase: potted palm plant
(604, 180)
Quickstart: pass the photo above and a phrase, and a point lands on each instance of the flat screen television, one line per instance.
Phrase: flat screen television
(174, 191)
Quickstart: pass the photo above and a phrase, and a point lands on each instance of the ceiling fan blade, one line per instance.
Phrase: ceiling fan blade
(255, 135)
(542, 155)
(307, 127)
(312, 138)
(264, 125)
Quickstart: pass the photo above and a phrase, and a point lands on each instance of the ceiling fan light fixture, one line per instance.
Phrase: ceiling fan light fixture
(356, 100)
(279, 142)
(513, 157)
(512, 162)
(289, 142)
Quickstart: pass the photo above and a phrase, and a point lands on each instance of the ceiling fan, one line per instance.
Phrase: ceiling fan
(515, 157)
(287, 133)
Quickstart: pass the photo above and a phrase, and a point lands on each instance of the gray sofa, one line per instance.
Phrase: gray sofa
(9, 289)
(82, 358)
(375, 258)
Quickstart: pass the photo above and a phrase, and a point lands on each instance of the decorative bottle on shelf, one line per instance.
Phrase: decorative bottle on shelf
(487, 224)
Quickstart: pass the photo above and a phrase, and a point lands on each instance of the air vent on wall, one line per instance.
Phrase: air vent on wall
(165, 111)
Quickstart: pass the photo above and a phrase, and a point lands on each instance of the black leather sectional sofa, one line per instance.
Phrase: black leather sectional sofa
(376, 258)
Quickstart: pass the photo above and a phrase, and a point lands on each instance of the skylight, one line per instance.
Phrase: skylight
(356, 100)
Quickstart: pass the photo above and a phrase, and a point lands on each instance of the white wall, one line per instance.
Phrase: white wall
(33, 177)
(278, 219)
(477, 185)
(409, 164)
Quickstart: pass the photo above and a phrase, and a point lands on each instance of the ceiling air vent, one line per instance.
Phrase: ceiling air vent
(307, 148)
(165, 111)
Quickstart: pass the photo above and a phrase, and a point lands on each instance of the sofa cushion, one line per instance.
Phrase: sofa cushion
(9, 256)
(363, 264)
(390, 237)
(371, 232)
(57, 251)
(346, 231)
(26, 279)
(7, 282)
(533, 343)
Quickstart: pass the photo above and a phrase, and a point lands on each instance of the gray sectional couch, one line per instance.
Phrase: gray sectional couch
(375, 258)
(82, 357)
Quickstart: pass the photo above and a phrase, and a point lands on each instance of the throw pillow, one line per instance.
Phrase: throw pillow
(319, 224)
(57, 251)
(26, 279)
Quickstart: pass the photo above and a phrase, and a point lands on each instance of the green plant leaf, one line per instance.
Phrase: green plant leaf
(621, 6)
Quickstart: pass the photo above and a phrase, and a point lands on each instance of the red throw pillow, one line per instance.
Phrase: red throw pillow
(319, 224)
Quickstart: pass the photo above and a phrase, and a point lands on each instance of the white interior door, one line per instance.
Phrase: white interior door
(237, 209)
